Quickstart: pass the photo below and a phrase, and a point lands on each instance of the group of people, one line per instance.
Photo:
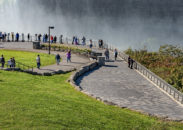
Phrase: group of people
(6, 37)
(3, 36)
(76, 41)
(11, 62)
(57, 58)
(107, 53)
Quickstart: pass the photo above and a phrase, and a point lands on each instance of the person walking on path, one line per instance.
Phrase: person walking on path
(106, 53)
(2, 60)
(69, 56)
(58, 58)
(38, 60)
(115, 54)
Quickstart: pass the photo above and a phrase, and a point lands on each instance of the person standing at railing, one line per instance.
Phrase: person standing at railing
(12, 37)
(17, 37)
(38, 60)
(39, 37)
(91, 44)
(51, 39)
(55, 39)
(46, 38)
(23, 37)
(28, 37)
(76, 41)
(61, 39)
(83, 41)
(1, 36)
(129, 61)
(2, 60)
(43, 38)
(106, 53)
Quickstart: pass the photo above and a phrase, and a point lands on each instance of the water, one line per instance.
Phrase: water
(123, 23)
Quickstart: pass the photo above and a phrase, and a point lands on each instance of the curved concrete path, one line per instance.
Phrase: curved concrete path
(77, 61)
(118, 84)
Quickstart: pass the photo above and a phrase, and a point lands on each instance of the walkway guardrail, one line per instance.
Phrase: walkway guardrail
(20, 66)
(173, 92)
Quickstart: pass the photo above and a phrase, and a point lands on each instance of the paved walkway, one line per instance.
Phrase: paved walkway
(77, 61)
(116, 83)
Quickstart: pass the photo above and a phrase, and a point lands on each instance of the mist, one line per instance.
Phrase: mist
(122, 23)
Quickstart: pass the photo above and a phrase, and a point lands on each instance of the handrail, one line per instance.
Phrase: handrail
(20, 66)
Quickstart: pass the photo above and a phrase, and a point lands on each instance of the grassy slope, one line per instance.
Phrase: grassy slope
(37, 102)
(28, 58)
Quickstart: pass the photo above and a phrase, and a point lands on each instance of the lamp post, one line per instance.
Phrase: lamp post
(49, 28)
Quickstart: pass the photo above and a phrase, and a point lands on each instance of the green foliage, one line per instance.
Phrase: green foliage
(61, 47)
(171, 50)
(38, 102)
(28, 58)
(167, 63)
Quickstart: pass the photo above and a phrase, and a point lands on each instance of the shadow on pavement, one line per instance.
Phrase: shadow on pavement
(110, 66)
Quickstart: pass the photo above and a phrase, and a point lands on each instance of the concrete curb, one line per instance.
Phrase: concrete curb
(40, 74)
(81, 71)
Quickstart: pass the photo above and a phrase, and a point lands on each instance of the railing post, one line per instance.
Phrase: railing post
(174, 94)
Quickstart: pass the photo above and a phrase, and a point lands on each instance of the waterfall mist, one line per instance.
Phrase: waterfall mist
(123, 23)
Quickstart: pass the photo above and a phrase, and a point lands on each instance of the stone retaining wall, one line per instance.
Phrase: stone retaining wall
(36, 73)
(80, 72)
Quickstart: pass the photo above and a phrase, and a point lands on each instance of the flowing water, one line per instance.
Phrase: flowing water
(123, 23)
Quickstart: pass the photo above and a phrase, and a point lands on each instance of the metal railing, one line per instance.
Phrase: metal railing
(20, 66)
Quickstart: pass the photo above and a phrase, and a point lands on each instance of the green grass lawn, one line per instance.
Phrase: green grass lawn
(28, 58)
(37, 102)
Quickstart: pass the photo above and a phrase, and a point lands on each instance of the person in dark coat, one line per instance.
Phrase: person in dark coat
(115, 54)
(2, 60)
(129, 61)
(58, 58)
(13, 62)
(28, 37)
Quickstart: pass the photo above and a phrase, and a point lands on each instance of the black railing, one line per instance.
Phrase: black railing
(19, 65)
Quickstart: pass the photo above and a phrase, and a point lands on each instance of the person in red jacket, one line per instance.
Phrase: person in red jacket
(51, 39)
